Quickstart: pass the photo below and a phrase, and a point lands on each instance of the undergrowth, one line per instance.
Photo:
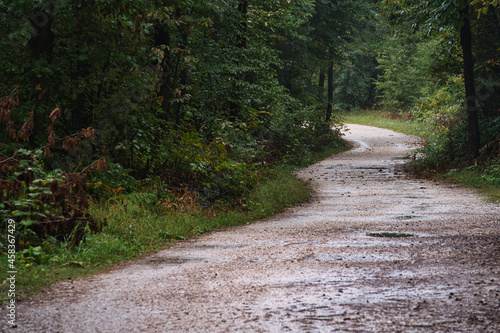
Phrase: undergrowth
(486, 179)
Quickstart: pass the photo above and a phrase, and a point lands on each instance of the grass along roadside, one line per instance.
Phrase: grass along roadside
(397, 122)
(139, 224)
(484, 179)
(487, 183)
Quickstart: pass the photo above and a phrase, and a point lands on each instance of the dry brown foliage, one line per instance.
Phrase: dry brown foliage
(60, 210)
(185, 200)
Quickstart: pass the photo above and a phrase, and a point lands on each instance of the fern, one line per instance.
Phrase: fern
(143, 198)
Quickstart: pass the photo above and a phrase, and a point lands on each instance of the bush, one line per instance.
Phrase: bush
(43, 203)
(441, 107)
(113, 181)
(492, 173)
(297, 136)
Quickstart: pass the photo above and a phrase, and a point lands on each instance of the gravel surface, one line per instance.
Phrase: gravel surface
(374, 251)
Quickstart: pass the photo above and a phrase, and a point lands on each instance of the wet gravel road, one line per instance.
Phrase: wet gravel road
(340, 263)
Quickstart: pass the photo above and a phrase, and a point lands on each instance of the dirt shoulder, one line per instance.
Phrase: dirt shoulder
(374, 251)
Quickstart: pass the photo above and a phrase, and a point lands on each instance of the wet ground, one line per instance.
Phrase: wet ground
(374, 251)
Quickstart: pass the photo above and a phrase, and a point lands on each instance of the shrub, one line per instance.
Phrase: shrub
(44, 203)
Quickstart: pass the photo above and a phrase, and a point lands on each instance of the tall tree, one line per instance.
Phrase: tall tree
(470, 89)
(460, 16)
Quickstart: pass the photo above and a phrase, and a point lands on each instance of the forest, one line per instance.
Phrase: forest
(190, 105)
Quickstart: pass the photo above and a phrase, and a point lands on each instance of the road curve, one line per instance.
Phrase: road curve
(332, 265)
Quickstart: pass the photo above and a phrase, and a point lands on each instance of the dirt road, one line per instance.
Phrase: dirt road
(322, 267)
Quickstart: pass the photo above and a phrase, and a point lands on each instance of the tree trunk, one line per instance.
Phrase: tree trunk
(41, 46)
(470, 90)
(184, 79)
(329, 107)
(321, 85)
(163, 69)
(43, 41)
(241, 42)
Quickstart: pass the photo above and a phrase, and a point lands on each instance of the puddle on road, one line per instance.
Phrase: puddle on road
(335, 166)
(364, 257)
(212, 246)
(366, 242)
(378, 168)
(157, 261)
(422, 207)
(407, 217)
(390, 235)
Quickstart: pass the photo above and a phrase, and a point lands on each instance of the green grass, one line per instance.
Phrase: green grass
(398, 122)
(476, 178)
(472, 177)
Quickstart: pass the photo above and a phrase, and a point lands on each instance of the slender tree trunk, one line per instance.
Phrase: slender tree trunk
(185, 77)
(164, 71)
(241, 42)
(321, 85)
(43, 41)
(470, 90)
(243, 9)
(41, 46)
(329, 107)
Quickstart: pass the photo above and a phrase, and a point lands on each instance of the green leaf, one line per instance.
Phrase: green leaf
(28, 223)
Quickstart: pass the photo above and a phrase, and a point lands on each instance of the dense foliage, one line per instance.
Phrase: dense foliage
(442, 65)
